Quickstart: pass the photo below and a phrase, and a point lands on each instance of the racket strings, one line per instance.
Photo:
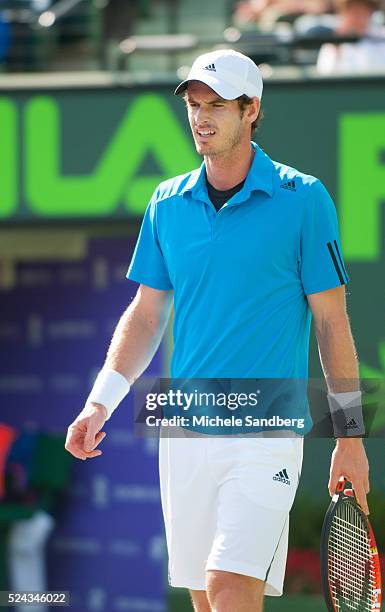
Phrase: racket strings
(351, 569)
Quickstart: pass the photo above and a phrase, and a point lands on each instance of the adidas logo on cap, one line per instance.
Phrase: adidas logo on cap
(282, 476)
(210, 67)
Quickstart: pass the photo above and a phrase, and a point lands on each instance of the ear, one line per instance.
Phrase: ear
(253, 109)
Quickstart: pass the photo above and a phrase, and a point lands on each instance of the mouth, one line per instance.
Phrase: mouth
(205, 133)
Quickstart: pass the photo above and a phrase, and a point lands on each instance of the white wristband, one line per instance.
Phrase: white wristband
(346, 413)
(109, 389)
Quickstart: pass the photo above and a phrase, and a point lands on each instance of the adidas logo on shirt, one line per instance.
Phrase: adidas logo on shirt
(290, 185)
(351, 425)
(282, 476)
(210, 67)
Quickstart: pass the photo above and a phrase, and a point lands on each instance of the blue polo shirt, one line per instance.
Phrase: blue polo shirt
(241, 275)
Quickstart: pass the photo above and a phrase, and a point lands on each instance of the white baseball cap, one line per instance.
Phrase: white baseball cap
(229, 73)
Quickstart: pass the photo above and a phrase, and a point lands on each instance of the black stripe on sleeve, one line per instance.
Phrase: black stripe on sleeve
(338, 269)
(340, 258)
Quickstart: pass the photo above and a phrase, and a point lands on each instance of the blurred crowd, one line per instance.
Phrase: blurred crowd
(65, 34)
(266, 13)
(328, 20)
(347, 35)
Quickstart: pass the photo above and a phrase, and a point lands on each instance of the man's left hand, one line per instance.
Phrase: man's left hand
(349, 460)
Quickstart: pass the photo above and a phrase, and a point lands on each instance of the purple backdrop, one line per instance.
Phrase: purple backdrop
(108, 547)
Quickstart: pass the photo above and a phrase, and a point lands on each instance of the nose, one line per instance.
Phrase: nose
(202, 116)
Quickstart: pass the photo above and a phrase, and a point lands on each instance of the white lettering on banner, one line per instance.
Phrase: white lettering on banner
(136, 493)
(125, 548)
(100, 491)
(65, 382)
(151, 446)
(21, 384)
(96, 599)
(71, 329)
(120, 437)
(139, 604)
(35, 277)
(34, 330)
(157, 548)
(100, 273)
(84, 545)
(73, 276)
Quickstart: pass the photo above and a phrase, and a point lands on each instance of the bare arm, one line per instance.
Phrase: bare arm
(139, 332)
(133, 345)
(340, 365)
(335, 341)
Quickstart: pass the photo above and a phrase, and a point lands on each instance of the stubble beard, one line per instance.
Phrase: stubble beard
(224, 150)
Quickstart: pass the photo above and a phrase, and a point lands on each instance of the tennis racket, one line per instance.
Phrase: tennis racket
(350, 564)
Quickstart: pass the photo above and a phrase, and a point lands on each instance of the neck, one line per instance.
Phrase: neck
(226, 171)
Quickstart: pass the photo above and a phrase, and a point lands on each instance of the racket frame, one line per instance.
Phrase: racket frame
(337, 498)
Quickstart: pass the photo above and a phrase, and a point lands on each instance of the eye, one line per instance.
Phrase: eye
(218, 105)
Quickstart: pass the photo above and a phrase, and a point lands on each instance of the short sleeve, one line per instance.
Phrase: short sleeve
(322, 265)
(148, 266)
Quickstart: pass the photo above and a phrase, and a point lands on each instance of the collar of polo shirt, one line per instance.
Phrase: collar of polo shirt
(259, 178)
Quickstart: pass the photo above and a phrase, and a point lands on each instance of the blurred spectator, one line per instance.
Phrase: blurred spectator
(355, 17)
(118, 20)
(265, 13)
(5, 36)
(18, 39)
(34, 471)
(7, 437)
(26, 550)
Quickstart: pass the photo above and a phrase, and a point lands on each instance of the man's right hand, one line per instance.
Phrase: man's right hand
(84, 435)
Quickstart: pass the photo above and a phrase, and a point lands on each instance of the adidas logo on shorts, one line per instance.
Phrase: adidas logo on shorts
(282, 476)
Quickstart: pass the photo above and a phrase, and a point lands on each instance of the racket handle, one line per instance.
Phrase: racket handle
(340, 488)
(341, 485)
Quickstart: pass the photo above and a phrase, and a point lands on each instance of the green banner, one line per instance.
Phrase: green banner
(98, 154)
(90, 155)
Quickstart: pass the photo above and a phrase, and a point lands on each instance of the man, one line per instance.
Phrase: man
(354, 17)
(245, 247)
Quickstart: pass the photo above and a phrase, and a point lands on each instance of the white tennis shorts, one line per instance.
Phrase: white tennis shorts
(226, 504)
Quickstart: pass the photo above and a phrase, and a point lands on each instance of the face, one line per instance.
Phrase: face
(357, 17)
(217, 125)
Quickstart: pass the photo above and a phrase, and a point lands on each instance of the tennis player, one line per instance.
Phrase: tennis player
(247, 250)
